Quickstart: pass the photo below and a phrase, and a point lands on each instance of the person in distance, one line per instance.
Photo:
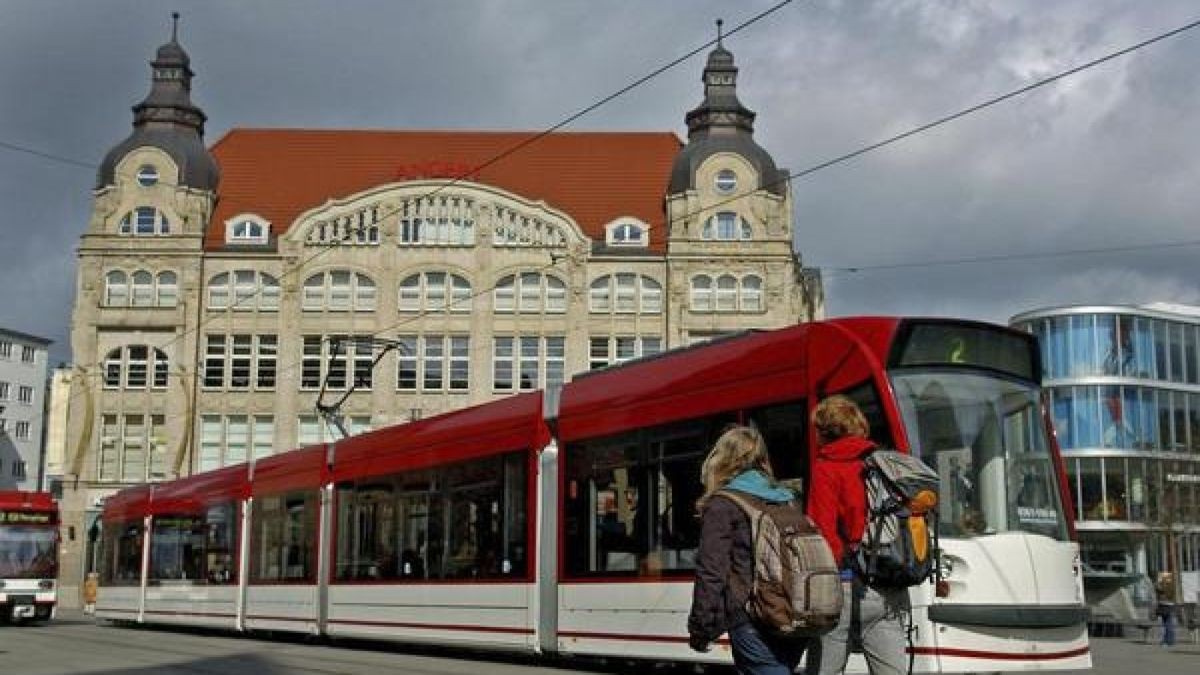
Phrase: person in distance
(724, 564)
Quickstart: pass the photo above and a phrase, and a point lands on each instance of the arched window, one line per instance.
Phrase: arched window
(702, 298)
(530, 293)
(243, 291)
(726, 226)
(339, 291)
(751, 295)
(135, 367)
(726, 296)
(625, 293)
(116, 289)
(727, 293)
(145, 221)
(435, 292)
(626, 233)
(141, 289)
(166, 289)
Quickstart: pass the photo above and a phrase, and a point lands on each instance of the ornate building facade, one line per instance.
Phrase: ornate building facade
(222, 289)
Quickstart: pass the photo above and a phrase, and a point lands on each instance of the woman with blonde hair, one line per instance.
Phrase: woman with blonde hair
(724, 564)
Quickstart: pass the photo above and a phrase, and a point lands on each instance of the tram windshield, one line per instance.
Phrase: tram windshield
(986, 438)
(27, 552)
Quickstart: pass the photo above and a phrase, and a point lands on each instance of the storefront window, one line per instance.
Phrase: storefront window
(1116, 506)
(1143, 348)
(1083, 346)
(1091, 490)
(1107, 344)
(1137, 489)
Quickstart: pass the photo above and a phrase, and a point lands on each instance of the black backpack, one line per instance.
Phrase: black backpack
(899, 543)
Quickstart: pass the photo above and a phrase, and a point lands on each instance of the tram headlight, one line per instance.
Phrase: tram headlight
(945, 566)
(46, 584)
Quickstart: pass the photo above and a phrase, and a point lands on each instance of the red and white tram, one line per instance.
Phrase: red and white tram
(28, 555)
(563, 521)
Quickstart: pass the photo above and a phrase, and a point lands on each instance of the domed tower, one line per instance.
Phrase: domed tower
(730, 252)
(135, 319)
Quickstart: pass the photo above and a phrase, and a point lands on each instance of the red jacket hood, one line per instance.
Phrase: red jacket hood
(845, 449)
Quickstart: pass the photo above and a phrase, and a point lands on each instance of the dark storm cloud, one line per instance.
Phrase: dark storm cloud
(1105, 159)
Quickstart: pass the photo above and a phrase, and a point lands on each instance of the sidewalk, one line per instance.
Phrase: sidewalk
(1120, 656)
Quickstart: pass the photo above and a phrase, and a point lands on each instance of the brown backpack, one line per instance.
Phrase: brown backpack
(796, 590)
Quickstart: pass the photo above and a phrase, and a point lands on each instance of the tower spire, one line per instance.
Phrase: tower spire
(174, 26)
(720, 44)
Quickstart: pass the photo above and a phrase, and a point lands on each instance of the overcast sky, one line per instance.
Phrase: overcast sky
(1109, 158)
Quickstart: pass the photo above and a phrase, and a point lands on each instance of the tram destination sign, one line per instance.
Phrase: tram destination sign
(25, 518)
(944, 343)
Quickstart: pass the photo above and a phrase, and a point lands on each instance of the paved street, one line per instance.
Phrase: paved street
(74, 644)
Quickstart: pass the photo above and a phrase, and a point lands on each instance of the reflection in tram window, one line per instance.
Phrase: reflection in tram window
(983, 436)
(282, 543)
(461, 521)
(121, 553)
(630, 503)
(194, 548)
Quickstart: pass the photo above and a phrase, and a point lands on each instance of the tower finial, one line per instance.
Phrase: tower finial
(174, 26)
(719, 24)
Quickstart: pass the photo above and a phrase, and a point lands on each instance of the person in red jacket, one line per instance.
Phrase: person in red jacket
(837, 503)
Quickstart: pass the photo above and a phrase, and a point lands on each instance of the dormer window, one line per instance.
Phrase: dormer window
(246, 230)
(147, 175)
(145, 221)
(626, 232)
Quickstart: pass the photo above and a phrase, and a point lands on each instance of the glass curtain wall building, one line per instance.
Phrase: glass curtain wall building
(1124, 392)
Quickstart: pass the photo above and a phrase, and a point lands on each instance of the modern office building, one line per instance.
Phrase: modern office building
(221, 289)
(1124, 386)
(22, 409)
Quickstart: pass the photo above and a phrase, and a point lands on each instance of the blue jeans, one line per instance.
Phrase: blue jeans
(758, 654)
(1168, 636)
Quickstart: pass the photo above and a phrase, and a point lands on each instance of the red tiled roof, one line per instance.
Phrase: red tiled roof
(594, 177)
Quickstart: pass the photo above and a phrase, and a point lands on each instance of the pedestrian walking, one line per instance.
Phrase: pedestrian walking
(873, 618)
(1164, 595)
(724, 564)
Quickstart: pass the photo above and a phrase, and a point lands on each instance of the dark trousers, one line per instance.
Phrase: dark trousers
(757, 654)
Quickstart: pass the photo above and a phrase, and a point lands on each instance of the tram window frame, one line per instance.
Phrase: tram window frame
(295, 536)
(415, 534)
(784, 427)
(209, 558)
(121, 553)
(866, 397)
(665, 547)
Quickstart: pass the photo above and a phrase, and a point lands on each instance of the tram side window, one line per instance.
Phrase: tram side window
(194, 548)
(121, 554)
(630, 500)
(868, 401)
(461, 521)
(784, 428)
(282, 539)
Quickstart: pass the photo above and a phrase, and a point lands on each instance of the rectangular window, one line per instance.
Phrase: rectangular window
(109, 461)
(626, 295)
(212, 434)
(434, 366)
(158, 447)
(28, 354)
(229, 439)
(4, 389)
(25, 394)
(241, 356)
(214, 362)
(459, 521)
(264, 436)
(536, 362)
(135, 367)
(607, 351)
(22, 431)
(460, 363)
(133, 449)
(282, 542)
(5, 349)
(310, 365)
(437, 362)
(265, 361)
(502, 363)
(629, 502)
(237, 437)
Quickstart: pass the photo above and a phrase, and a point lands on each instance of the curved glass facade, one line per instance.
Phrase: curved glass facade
(1123, 387)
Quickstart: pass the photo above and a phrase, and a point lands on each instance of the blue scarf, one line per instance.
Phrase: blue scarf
(756, 483)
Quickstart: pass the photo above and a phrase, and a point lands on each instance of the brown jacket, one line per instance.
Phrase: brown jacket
(724, 571)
